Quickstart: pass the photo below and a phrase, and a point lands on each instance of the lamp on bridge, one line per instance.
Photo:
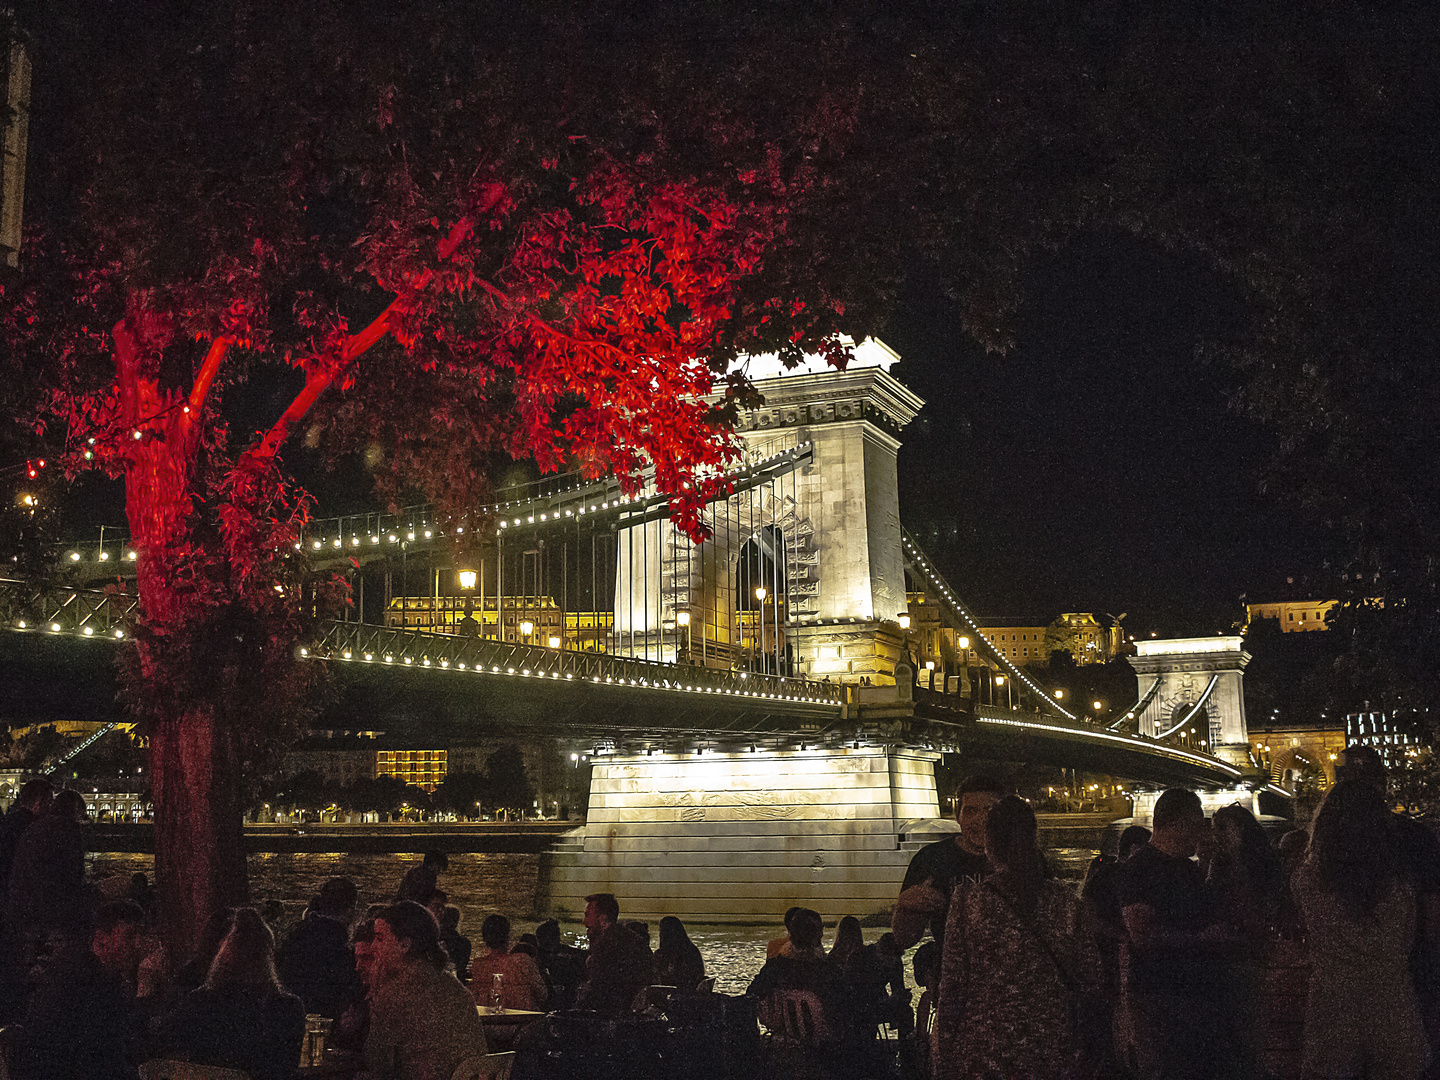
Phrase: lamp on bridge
(526, 629)
(904, 620)
(1000, 680)
(466, 578)
(760, 647)
(682, 618)
(964, 642)
(554, 641)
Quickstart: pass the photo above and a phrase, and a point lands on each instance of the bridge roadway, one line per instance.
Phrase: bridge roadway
(429, 685)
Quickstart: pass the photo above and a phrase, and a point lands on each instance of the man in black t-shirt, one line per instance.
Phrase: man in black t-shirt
(1176, 988)
(937, 868)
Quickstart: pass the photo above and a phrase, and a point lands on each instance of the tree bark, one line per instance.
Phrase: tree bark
(199, 838)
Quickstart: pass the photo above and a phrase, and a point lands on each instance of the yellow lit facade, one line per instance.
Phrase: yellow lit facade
(1295, 616)
(423, 768)
(1087, 640)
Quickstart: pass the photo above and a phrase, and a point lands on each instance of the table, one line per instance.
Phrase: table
(503, 1026)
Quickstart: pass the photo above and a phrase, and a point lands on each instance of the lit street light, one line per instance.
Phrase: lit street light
(466, 578)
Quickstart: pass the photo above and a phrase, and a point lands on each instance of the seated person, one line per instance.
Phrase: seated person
(678, 962)
(782, 944)
(423, 1023)
(562, 965)
(457, 945)
(350, 1027)
(619, 965)
(241, 1018)
(808, 970)
(522, 986)
(316, 962)
(83, 1022)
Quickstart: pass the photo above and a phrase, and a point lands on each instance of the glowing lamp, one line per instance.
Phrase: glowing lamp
(964, 643)
(554, 641)
(904, 620)
(683, 618)
(527, 628)
(466, 578)
(760, 593)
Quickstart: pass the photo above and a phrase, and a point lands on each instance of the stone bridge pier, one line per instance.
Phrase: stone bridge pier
(740, 837)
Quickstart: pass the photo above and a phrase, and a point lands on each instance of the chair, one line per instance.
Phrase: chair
(185, 1070)
(485, 1067)
(796, 1016)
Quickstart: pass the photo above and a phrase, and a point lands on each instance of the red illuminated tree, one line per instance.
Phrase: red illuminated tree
(397, 246)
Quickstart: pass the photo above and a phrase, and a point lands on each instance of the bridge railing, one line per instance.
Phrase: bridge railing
(395, 647)
(59, 610)
(107, 615)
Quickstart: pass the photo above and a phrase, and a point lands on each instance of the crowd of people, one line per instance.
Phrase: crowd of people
(1155, 969)
(1158, 969)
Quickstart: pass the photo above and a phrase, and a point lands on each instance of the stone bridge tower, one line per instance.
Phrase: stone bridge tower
(1198, 683)
(836, 522)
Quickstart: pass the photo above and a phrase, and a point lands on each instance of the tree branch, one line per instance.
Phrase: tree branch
(206, 375)
(326, 371)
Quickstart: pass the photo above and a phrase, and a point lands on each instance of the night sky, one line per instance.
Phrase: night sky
(1097, 465)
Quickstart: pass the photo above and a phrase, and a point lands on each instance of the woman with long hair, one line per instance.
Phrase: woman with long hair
(1017, 958)
(240, 1018)
(1246, 890)
(1362, 1018)
(677, 959)
(423, 1022)
(848, 943)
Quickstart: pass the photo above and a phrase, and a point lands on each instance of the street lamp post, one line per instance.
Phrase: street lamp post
(682, 618)
(760, 645)
(526, 629)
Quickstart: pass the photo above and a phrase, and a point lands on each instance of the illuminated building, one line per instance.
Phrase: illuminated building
(422, 768)
(1021, 641)
(1294, 616)
(1379, 730)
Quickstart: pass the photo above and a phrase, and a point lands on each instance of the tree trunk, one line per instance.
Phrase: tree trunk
(194, 767)
(199, 841)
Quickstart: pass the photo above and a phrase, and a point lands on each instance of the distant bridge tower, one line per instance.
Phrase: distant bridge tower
(827, 536)
(1195, 683)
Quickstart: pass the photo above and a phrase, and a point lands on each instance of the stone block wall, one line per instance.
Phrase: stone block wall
(740, 837)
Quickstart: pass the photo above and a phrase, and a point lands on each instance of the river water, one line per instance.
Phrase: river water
(479, 884)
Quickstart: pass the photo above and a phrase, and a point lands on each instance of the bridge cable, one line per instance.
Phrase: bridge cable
(1139, 707)
(949, 599)
(1214, 679)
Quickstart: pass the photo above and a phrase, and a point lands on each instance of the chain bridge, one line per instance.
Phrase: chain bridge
(764, 730)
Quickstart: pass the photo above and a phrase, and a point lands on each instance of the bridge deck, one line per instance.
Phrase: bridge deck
(431, 685)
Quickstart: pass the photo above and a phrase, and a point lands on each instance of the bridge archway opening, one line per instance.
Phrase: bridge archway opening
(761, 576)
(1192, 732)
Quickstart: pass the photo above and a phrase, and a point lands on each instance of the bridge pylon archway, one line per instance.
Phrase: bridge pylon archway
(832, 609)
(1195, 683)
